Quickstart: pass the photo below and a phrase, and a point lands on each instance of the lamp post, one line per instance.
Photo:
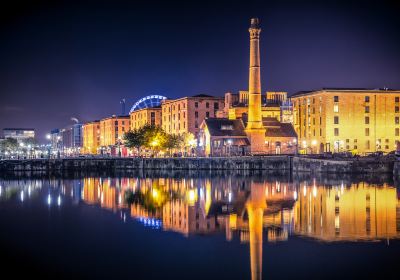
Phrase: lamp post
(229, 146)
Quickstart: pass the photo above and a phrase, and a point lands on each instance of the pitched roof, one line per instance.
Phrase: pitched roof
(275, 128)
(216, 127)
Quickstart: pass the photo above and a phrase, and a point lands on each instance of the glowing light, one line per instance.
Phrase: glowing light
(59, 200)
(155, 193)
(48, 199)
(29, 191)
(304, 191)
(22, 196)
(1, 190)
(314, 142)
(48, 136)
(315, 191)
(295, 195)
(192, 196)
(229, 197)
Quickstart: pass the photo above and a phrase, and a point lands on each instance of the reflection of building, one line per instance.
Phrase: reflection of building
(360, 211)
(20, 134)
(179, 216)
(358, 120)
(184, 115)
(91, 137)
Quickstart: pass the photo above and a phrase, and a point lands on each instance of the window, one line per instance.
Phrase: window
(396, 109)
(196, 125)
(366, 120)
(367, 145)
(386, 147)
(396, 120)
(116, 122)
(396, 132)
(227, 127)
(207, 114)
(196, 104)
(366, 109)
(396, 99)
(207, 105)
(367, 131)
(336, 108)
(196, 114)
(336, 98)
(366, 98)
(216, 106)
(336, 131)
(347, 140)
(336, 120)
(355, 147)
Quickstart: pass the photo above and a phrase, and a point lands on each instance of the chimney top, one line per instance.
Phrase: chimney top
(254, 23)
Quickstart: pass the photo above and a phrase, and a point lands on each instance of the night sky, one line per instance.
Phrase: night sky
(60, 59)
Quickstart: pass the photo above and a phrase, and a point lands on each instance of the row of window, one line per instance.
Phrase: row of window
(336, 99)
(196, 105)
(336, 132)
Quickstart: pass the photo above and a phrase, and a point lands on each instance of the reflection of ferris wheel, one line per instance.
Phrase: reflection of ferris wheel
(149, 101)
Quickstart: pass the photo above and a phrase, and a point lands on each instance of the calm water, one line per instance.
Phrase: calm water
(200, 226)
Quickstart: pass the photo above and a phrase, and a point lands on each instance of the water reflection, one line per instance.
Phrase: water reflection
(252, 209)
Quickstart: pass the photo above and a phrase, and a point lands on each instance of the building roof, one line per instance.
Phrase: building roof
(353, 90)
(215, 127)
(18, 129)
(202, 95)
(275, 128)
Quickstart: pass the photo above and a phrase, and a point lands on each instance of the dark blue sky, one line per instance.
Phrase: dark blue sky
(69, 59)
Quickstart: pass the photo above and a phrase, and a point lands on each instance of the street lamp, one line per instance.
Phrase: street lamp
(229, 146)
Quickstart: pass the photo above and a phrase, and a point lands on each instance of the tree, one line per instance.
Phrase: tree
(9, 144)
(134, 139)
(154, 137)
(173, 141)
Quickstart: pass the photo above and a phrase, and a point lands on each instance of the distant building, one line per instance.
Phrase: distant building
(20, 134)
(184, 115)
(236, 105)
(141, 117)
(71, 137)
(112, 131)
(355, 120)
(91, 137)
(56, 139)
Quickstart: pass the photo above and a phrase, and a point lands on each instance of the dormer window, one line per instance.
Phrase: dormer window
(227, 127)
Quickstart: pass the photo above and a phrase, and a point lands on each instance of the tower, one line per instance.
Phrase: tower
(255, 130)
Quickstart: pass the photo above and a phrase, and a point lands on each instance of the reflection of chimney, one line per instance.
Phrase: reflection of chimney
(255, 208)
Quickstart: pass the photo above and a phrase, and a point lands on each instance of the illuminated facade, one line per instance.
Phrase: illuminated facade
(112, 130)
(141, 117)
(356, 120)
(20, 134)
(91, 137)
(184, 115)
